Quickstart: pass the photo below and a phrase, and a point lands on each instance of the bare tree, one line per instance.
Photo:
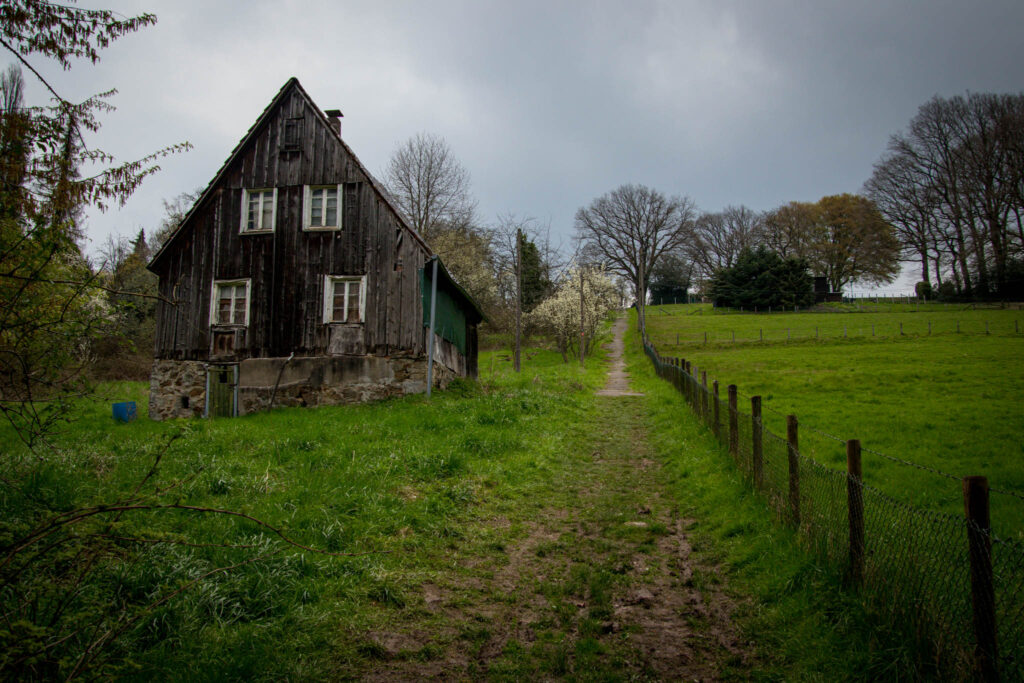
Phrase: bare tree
(789, 229)
(631, 227)
(175, 211)
(718, 238)
(430, 185)
(909, 204)
(951, 184)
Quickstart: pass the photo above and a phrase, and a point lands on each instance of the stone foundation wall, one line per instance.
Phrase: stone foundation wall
(178, 388)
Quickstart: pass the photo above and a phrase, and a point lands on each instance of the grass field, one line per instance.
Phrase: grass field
(805, 624)
(435, 498)
(401, 480)
(831, 321)
(947, 401)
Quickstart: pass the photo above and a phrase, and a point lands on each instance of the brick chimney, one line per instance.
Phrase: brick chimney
(334, 116)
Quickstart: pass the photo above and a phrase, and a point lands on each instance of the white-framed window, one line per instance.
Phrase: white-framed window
(259, 210)
(321, 207)
(344, 299)
(229, 304)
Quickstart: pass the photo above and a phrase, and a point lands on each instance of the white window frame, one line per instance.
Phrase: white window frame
(262, 229)
(307, 207)
(214, 298)
(330, 281)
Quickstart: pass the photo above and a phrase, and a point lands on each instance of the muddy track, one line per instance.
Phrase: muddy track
(606, 588)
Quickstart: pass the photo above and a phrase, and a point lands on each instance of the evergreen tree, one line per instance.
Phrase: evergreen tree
(536, 285)
(761, 278)
(670, 280)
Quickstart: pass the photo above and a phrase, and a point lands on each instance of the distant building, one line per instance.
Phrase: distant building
(295, 278)
(822, 293)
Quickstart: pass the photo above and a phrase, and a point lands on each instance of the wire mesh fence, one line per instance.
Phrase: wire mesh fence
(949, 576)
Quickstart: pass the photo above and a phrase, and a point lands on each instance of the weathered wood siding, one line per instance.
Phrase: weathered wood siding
(287, 267)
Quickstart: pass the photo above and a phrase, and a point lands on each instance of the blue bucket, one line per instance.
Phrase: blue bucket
(124, 411)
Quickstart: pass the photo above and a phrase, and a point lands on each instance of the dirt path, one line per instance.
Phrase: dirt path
(597, 583)
(618, 378)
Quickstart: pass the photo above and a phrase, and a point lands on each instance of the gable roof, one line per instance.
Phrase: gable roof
(378, 187)
(291, 83)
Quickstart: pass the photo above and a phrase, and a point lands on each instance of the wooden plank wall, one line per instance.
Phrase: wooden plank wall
(287, 267)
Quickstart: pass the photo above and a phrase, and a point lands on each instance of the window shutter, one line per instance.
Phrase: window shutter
(273, 212)
(245, 211)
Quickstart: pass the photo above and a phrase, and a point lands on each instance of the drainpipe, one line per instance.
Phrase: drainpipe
(430, 337)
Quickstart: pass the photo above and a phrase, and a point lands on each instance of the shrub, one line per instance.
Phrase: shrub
(761, 278)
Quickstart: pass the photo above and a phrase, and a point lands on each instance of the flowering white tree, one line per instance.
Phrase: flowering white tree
(561, 314)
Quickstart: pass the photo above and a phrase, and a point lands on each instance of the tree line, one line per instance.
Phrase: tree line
(947, 194)
(952, 186)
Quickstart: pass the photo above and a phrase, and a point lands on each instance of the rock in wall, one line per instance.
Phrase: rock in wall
(178, 388)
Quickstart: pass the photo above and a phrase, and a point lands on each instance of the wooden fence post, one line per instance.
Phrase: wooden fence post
(704, 395)
(855, 510)
(792, 436)
(982, 586)
(686, 383)
(695, 390)
(716, 422)
(691, 381)
(757, 452)
(734, 423)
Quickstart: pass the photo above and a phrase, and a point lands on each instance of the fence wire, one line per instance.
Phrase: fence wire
(960, 586)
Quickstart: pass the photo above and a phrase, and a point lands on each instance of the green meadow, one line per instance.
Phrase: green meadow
(945, 400)
(392, 486)
(423, 515)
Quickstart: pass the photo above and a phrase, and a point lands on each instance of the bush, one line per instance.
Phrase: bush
(761, 278)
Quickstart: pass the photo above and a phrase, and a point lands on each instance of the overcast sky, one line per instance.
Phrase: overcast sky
(551, 104)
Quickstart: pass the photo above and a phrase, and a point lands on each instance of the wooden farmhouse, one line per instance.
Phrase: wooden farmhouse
(294, 280)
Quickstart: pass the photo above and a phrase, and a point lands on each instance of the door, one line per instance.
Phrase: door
(222, 391)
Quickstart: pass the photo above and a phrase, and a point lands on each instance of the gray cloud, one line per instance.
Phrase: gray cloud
(552, 104)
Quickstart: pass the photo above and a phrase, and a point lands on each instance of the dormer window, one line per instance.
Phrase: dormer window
(258, 210)
(322, 207)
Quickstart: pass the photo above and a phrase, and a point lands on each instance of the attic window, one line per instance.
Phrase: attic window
(322, 208)
(258, 210)
(292, 139)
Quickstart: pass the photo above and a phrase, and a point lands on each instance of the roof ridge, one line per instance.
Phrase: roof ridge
(376, 184)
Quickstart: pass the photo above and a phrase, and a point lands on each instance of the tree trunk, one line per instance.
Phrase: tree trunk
(519, 292)
(961, 251)
(641, 302)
